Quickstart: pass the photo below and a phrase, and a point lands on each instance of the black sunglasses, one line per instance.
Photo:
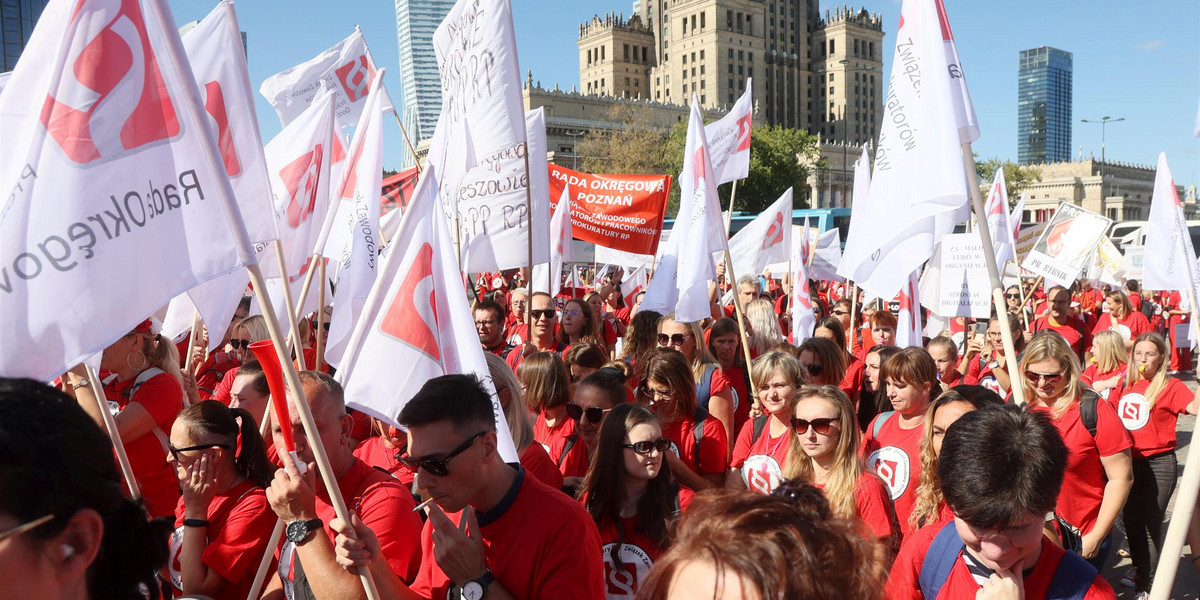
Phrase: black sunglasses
(814, 370)
(175, 451)
(675, 339)
(821, 426)
(594, 414)
(326, 324)
(547, 313)
(1013, 296)
(645, 447)
(437, 466)
(236, 343)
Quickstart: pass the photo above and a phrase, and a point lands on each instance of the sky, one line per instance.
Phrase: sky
(1137, 60)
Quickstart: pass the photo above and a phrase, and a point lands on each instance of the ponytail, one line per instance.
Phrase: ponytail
(251, 458)
(161, 353)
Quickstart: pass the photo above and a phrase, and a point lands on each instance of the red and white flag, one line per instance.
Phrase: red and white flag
(909, 328)
(346, 69)
(729, 140)
(1014, 218)
(1169, 260)
(804, 320)
(765, 240)
(919, 187)
(421, 326)
(999, 226)
(632, 284)
(112, 175)
(547, 277)
(358, 189)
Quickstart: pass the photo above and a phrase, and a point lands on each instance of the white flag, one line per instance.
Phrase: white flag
(217, 300)
(4, 80)
(908, 326)
(964, 109)
(547, 277)
(765, 240)
(632, 284)
(421, 328)
(361, 180)
(1169, 260)
(804, 321)
(729, 140)
(698, 225)
(999, 227)
(112, 180)
(919, 187)
(346, 69)
(1014, 219)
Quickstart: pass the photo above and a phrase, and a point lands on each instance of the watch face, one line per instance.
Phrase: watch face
(472, 591)
(297, 531)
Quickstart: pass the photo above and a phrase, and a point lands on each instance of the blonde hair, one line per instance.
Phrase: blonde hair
(847, 465)
(1050, 345)
(1108, 350)
(780, 362)
(547, 384)
(517, 415)
(700, 355)
(1159, 382)
(764, 324)
(1123, 301)
(256, 328)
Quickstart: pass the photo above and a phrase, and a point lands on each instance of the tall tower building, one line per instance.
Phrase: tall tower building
(420, 84)
(16, 24)
(1044, 106)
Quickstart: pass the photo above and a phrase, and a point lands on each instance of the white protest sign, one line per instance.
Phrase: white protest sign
(1132, 264)
(1066, 244)
(1029, 236)
(965, 287)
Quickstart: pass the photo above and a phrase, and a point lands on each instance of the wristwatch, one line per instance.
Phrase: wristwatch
(474, 589)
(80, 384)
(298, 531)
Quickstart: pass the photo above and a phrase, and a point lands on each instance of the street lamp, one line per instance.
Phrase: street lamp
(846, 70)
(574, 155)
(1103, 122)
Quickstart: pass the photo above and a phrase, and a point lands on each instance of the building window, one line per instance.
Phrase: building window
(729, 20)
(693, 24)
(702, 21)
(741, 55)
(626, 48)
(730, 68)
(740, 70)
(731, 54)
(703, 99)
(693, 57)
(831, 47)
(701, 55)
(601, 52)
(750, 56)
(831, 76)
(683, 24)
(856, 47)
(701, 84)
(685, 59)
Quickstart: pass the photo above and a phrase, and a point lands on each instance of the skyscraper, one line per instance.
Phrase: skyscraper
(1044, 106)
(16, 24)
(420, 84)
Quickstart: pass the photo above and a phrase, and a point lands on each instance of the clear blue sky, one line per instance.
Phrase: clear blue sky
(1137, 60)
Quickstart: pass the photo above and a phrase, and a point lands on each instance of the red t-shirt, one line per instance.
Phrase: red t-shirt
(1174, 300)
(162, 397)
(904, 580)
(539, 544)
(1083, 482)
(577, 461)
(1090, 376)
(761, 460)
(1152, 428)
(708, 459)
(1133, 325)
(517, 333)
(979, 372)
(552, 439)
(1074, 330)
(515, 357)
(215, 370)
(954, 379)
(541, 466)
(624, 315)
(637, 555)
(737, 378)
(376, 453)
(895, 456)
(874, 506)
(240, 524)
(852, 381)
(1135, 300)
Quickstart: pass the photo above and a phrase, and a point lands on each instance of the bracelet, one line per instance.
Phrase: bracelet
(195, 522)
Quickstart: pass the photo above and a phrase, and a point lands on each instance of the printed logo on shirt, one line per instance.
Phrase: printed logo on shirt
(286, 554)
(761, 473)
(892, 466)
(1134, 411)
(1124, 331)
(990, 383)
(622, 584)
(174, 567)
(675, 450)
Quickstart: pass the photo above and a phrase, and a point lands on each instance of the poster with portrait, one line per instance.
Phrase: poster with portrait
(1066, 244)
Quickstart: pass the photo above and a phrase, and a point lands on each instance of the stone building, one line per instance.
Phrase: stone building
(1117, 190)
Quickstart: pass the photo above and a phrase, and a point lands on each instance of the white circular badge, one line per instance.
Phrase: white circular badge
(761, 473)
(892, 466)
(622, 584)
(1134, 411)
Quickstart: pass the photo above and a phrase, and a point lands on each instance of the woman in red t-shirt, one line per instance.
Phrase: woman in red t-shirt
(595, 396)
(1149, 405)
(630, 495)
(582, 360)
(1121, 318)
(714, 392)
(1099, 468)
(532, 455)
(223, 521)
(825, 453)
(725, 344)
(579, 324)
(1109, 362)
(547, 388)
(610, 326)
(830, 328)
(763, 442)
(384, 448)
(823, 360)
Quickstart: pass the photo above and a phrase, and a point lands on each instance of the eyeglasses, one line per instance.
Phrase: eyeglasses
(814, 370)
(22, 528)
(175, 451)
(653, 393)
(594, 414)
(547, 313)
(1048, 378)
(840, 312)
(572, 313)
(821, 426)
(646, 447)
(676, 339)
(437, 466)
(486, 323)
(242, 343)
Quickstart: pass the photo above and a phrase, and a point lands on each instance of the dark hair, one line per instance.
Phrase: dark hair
(211, 418)
(491, 305)
(244, 303)
(584, 354)
(786, 545)
(642, 335)
(55, 460)
(252, 368)
(1001, 465)
(609, 381)
(604, 483)
(726, 326)
(460, 399)
(832, 356)
(835, 327)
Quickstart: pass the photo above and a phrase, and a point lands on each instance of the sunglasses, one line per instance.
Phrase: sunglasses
(325, 324)
(572, 313)
(821, 426)
(594, 414)
(236, 343)
(676, 339)
(30, 526)
(175, 451)
(437, 466)
(1038, 378)
(547, 313)
(840, 312)
(646, 447)
(814, 370)
(1013, 296)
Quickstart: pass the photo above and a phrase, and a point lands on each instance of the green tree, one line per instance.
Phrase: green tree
(630, 146)
(1017, 177)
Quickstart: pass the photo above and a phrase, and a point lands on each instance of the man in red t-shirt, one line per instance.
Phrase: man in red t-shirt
(1060, 319)
(542, 333)
(489, 324)
(307, 566)
(995, 541)
(493, 531)
(515, 328)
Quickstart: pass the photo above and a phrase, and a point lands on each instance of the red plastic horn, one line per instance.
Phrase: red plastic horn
(264, 351)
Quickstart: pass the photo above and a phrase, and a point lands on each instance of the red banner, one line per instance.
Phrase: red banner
(397, 190)
(623, 212)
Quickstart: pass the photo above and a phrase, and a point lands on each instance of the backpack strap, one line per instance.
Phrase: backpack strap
(879, 421)
(698, 432)
(1087, 410)
(570, 443)
(1072, 579)
(704, 387)
(757, 427)
(939, 561)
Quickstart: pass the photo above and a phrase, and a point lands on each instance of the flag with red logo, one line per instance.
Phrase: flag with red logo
(729, 140)
(998, 223)
(765, 240)
(346, 69)
(1169, 260)
(633, 284)
(547, 277)
(421, 326)
(804, 320)
(909, 328)
(396, 191)
(115, 196)
(1014, 219)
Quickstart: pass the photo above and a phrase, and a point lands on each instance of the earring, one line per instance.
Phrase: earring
(145, 361)
(68, 551)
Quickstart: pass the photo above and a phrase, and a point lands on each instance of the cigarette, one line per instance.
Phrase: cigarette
(423, 505)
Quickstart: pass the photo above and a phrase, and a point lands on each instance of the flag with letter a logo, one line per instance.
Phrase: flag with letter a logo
(421, 327)
(114, 201)
(729, 140)
(1169, 261)
(765, 240)
(908, 323)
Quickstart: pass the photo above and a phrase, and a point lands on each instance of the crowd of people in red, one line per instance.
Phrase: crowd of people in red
(654, 462)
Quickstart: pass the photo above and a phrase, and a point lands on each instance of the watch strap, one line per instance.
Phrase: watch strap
(485, 580)
(195, 522)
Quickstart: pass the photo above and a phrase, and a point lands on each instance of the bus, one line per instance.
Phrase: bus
(823, 219)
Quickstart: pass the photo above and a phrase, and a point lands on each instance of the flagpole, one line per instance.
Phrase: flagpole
(296, 344)
(737, 306)
(308, 275)
(191, 343)
(110, 427)
(1185, 504)
(264, 565)
(407, 142)
(550, 276)
(320, 326)
(853, 315)
(989, 255)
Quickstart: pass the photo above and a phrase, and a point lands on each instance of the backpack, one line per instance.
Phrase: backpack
(704, 387)
(757, 426)
(1072, 579)
(879, 421)
(1087, 410)
(698, 432)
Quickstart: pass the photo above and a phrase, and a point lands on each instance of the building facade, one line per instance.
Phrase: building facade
(17, 18)
(1117, 190)
(1044, 106)
(420, 83)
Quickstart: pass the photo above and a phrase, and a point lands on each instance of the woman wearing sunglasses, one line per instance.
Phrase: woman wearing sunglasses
(698, 454)
(1099, 467)
(594, 397)
(579, 325)
(1109, 361)
(714, 391)
(763, 442)
(583, 360)
(250, 330)
(825, 453)
(223, 521)
(1149, 405)
(824, 361)
(725, 344)
(629, 494)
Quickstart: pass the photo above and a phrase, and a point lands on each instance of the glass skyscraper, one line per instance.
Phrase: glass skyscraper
(17, 18)
(1044, 106)
(420, 84)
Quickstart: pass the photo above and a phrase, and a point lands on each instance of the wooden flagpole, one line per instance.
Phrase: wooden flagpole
(737, 305)
(320, 325)
(296, 344)
(110, 426)
(853, 314)
(191, 344)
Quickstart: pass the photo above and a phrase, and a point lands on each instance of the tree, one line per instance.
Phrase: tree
(632, 146)
(1017, 177)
